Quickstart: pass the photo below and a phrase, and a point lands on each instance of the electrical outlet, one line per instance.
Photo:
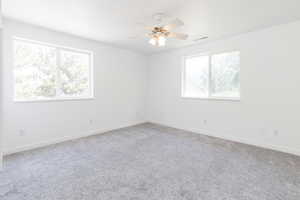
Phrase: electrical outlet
(205, 122)
(275, 132)
(91, 121)
(21, 132)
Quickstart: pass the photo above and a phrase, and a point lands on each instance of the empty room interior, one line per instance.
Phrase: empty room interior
(150, 100)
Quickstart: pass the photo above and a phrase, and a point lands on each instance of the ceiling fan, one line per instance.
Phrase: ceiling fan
(159, 33)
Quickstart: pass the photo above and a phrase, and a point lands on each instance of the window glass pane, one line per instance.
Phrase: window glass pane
(225, 71)
(74, 74)
(34, 71)
(196, 77)
(46, 72)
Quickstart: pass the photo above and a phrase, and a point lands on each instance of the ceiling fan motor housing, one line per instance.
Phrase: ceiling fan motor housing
(159, 31)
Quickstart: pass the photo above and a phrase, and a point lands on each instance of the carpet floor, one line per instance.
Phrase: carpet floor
(150, 162)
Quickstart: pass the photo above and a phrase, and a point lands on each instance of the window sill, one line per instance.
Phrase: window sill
(54, 100)
(213, 98)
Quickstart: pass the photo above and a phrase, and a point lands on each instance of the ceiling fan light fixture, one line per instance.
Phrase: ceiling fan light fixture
(161, 41)
(153, 41)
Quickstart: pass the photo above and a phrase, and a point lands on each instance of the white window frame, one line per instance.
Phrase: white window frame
(58, 48)
(209, 96)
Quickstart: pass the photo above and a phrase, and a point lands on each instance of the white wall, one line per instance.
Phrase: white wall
(270, 68)
(1, 155)
(270, 82)
(120, 86)
(1, 132)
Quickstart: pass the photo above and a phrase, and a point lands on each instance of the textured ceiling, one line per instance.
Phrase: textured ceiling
(116, 22)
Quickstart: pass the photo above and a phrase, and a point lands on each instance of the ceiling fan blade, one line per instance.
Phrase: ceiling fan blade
(149, 28)
(144, 26)
(174, 24)
(180, 36)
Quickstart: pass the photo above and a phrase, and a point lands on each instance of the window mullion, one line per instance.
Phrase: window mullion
(209, 76)
(58, 81)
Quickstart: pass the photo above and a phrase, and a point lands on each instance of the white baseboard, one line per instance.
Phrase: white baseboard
(238, 139)
(63, 139)
(203, 132)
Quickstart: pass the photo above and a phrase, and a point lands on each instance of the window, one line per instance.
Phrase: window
(48, 72)
(214, 76)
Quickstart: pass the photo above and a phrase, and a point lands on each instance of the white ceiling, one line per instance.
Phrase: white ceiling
(115, 21)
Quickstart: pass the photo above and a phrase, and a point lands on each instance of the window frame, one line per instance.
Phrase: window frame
(209, 97)
(58, 59)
